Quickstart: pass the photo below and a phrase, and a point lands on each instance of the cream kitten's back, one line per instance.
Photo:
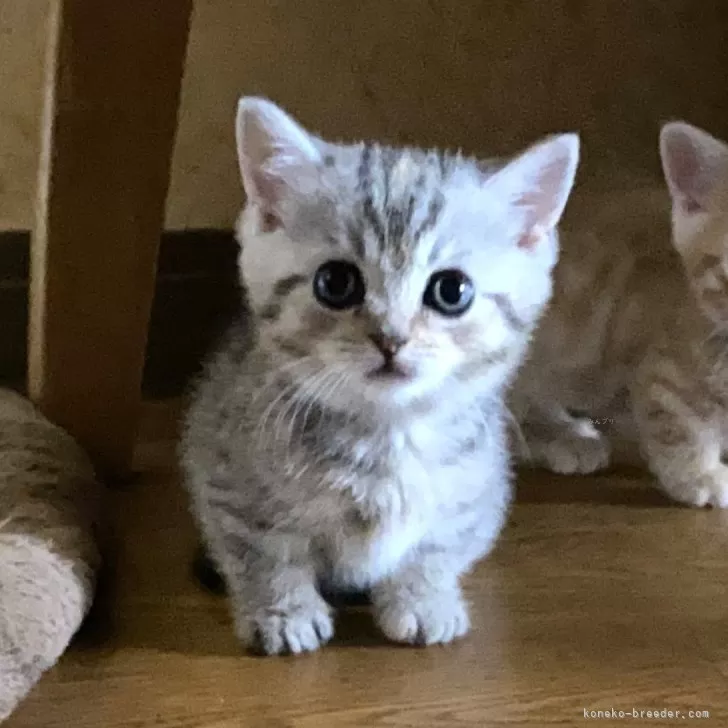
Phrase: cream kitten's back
(617, 281)
(637, 332)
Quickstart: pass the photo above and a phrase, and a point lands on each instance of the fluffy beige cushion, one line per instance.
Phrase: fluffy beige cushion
(49, 502)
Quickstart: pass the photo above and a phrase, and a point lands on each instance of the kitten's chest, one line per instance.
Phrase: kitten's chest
(400, 474)
(409, 493)
(371, 547)
(389, 484)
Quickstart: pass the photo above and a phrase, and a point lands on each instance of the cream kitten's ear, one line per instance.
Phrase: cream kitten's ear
(277, 156)
(694, 163)
(539, 181)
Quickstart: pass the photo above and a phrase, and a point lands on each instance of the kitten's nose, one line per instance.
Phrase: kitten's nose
(389, 345)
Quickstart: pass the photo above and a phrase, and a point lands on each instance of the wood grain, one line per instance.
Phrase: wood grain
(113, 79)
(601, 595)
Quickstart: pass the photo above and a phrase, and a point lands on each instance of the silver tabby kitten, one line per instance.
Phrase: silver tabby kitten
(356, 439)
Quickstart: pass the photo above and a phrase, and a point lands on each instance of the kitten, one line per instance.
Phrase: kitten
(638, 330)
(356, 439)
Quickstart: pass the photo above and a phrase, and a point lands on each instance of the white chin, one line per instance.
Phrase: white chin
(365, 393)
(392, 391)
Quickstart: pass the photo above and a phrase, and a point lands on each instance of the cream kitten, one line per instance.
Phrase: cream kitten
(357, 438)
(636, 322)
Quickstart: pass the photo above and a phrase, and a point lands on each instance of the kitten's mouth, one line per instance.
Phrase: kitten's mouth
(388, 371)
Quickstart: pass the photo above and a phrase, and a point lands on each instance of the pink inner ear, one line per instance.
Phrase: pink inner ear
(686, 176)
(690, 205)
(263, 191)
(265, 188)
(269, 222)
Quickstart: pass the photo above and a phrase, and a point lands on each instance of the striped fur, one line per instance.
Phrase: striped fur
(306, 472)
(637, 333)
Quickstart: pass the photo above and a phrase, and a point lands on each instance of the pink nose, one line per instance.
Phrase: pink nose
(388, 345)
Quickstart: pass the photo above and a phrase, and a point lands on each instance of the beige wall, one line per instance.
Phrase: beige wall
(486, 75)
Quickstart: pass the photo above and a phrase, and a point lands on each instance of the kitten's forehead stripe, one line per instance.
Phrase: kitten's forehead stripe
(394, 184)
(411, 206)
(388, 160)
(364, 166)
(367, 186)
(371, 216)
(434, 209)
(396, 224)
(356, 237)
(443, 163)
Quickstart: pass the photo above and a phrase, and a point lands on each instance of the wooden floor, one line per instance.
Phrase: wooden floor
(600, 596)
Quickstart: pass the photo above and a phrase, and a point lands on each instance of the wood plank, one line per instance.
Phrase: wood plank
(113, 82)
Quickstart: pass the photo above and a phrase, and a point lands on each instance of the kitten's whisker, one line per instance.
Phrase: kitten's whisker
(272, 379)
(272, 376)
(344, 376)
(288, 406)
(299, 398)
(314, 396)
(285, 398)
(265, 417)
(305, 396)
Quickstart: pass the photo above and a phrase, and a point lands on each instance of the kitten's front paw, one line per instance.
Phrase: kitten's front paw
(570, 452)
(708, 489)
(440, 617)
(301, 628)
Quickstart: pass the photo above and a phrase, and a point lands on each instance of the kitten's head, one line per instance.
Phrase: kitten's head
(695, 165)
(391, 275)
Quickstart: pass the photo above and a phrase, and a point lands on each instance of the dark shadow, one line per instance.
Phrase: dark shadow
(205, 573)
(98, 627)
(617, 487)
(355, 627)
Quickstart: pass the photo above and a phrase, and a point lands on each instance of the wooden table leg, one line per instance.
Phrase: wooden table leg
(114, 72)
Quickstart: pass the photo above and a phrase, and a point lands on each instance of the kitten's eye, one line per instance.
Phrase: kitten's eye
(449, 292)
(338, 285)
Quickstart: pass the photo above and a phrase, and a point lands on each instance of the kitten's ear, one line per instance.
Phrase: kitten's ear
(277, 156)
(539, 182)
(694, 163)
